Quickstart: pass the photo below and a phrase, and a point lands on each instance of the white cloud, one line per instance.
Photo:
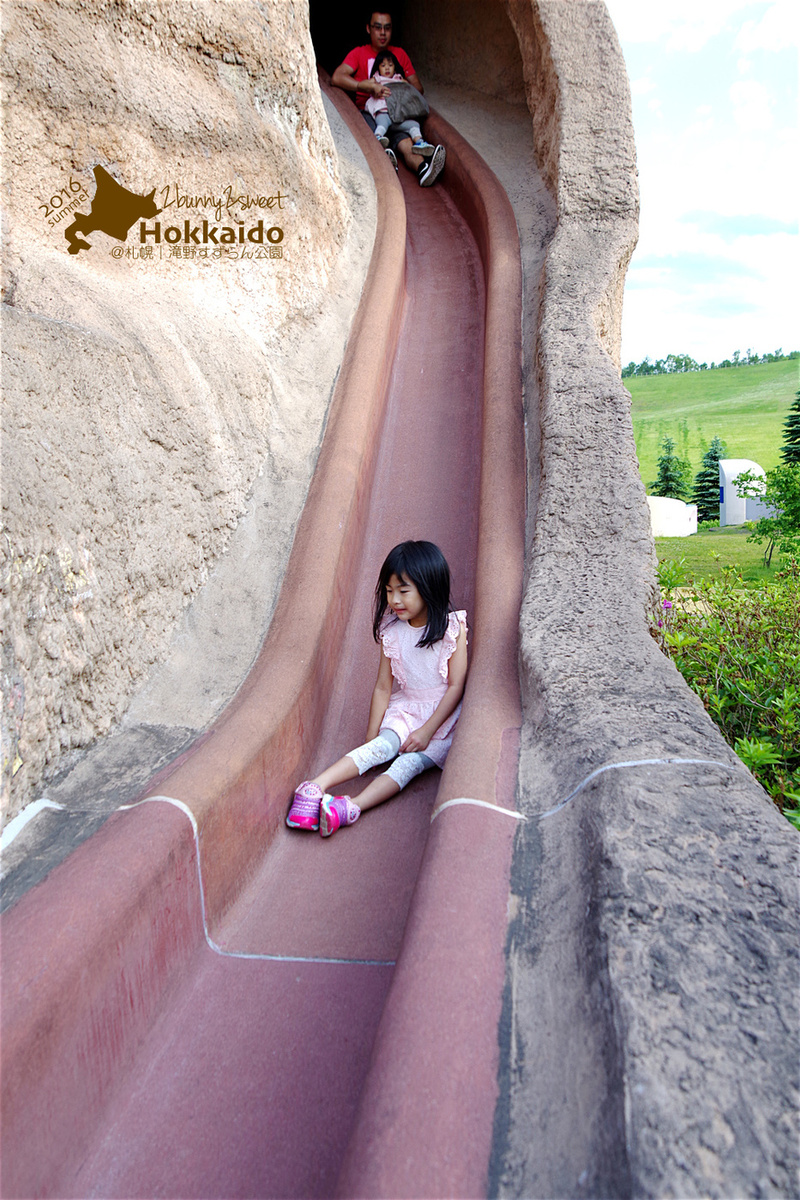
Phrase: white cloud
(707, 299)
(778, 28)
(752, 105)
(719, 165)
(684, 24)
(699, 167)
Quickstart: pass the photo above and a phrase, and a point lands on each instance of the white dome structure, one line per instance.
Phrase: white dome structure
(671, 518)
(733, 508)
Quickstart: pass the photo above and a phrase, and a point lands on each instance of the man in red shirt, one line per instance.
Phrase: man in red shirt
(353, 76)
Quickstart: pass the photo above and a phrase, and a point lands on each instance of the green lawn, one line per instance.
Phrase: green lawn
(745, 406)
(732, 546)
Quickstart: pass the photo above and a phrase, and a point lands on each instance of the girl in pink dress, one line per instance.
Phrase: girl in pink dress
(417, 697)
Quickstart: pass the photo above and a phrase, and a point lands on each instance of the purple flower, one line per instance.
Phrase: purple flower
(667, 604)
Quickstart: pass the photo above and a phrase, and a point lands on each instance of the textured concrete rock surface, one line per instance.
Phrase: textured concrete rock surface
(146, 404)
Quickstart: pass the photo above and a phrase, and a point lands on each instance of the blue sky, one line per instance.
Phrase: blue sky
(714, 90)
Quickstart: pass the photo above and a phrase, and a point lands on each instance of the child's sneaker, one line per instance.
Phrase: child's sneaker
(432, 168)
(423, 148)
(382, 138)
(336, 811)
(304, 813)
(390, 154)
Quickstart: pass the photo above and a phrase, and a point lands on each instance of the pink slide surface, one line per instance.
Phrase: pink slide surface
(202, 1003)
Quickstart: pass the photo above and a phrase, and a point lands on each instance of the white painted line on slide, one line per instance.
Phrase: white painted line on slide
(296, 958)
(636, 762)
(21, 820)
(32, 810)
(617, 766)
(507, 812)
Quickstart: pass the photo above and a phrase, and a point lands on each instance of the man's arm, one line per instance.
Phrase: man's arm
(414, 81)
(344, 77)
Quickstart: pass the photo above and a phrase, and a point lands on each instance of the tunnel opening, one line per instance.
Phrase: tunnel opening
(469, 44)
(335, 30)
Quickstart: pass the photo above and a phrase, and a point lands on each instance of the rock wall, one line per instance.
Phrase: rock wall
(143, 399)
(467, 44)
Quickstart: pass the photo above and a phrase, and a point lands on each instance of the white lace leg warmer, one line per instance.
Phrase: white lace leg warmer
(407, 766)
(380, 750)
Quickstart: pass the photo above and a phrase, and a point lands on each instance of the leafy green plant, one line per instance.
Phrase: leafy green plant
(755, 754)
(671, 574)
(793, 814)
(781, 493)
(739, 649)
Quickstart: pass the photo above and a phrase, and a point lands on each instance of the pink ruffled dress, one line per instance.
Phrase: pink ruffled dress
(419, 680)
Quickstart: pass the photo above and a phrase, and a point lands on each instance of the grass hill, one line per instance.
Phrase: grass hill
(745, 406)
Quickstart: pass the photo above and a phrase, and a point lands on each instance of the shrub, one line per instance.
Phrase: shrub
(780, 491)
(739, 649)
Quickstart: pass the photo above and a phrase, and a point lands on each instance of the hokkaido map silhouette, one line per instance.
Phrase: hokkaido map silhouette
(114, 209)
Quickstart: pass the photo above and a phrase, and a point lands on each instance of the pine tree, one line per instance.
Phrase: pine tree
(705, 493)
(790, 452)
(674, 474)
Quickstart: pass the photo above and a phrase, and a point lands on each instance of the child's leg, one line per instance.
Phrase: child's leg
(340, 772)
(402, 771)
(382, 123)
(380, 750)
(411, 128)
(341, 810)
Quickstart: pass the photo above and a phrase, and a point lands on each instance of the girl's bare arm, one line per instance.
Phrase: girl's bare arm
(380, 696)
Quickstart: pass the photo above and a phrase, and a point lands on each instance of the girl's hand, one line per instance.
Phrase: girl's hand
(416, 741)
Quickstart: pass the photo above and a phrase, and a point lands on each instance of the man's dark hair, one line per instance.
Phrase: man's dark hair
(370, 13)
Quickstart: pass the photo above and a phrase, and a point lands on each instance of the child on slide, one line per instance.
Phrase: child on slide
(388, 70)
(417, 697)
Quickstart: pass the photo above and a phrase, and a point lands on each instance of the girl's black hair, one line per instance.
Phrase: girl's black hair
(382, 57)
(426, 567)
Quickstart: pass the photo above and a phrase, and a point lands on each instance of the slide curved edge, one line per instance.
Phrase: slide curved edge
(425, 1119)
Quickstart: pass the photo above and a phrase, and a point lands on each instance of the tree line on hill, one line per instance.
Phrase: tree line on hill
(675, 473)
(678, 363)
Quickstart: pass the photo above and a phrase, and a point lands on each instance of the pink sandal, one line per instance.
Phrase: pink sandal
(304, 813)
(336, 811)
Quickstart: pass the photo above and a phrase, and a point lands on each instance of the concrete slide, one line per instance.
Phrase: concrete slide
(200, 1002)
